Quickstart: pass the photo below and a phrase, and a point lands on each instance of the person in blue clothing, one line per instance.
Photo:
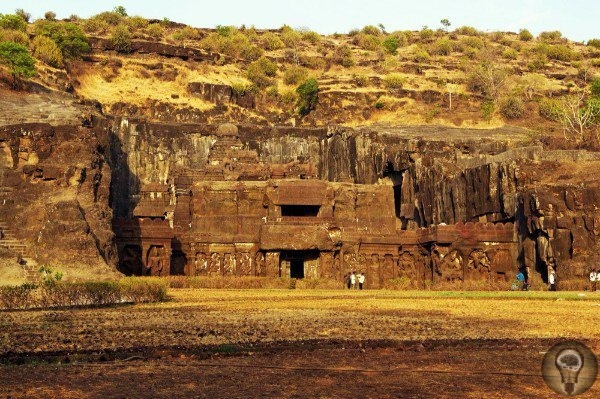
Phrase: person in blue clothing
(522, 280)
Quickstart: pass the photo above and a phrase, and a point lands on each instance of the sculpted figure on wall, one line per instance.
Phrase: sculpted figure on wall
(447, 263)
(228, 264)
(200, 264)
(214, 268)
(406, 266)
(155, 261)
(479, 266)
(243, 264)
(259, 260)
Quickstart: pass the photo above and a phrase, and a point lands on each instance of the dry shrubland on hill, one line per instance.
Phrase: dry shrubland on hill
(463, 77)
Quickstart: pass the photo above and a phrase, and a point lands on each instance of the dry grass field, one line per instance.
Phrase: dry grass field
(296, 344)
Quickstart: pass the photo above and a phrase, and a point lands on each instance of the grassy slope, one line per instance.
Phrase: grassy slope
(355, 93)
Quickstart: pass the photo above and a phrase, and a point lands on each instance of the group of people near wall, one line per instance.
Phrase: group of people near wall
(594, 280)
(524, 283)
(354, 280)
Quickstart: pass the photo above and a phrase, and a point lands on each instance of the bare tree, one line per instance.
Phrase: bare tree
(489, 76)
(577, 117)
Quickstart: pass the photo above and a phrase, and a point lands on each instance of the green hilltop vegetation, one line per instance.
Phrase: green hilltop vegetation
(459, 77)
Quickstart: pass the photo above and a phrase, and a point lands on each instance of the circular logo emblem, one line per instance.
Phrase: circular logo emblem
(570, 368)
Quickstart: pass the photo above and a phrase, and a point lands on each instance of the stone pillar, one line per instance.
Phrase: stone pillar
(326, 265)
(373, 272)
(259, 264)
(388, 269)
(192, 261)
(272, 264)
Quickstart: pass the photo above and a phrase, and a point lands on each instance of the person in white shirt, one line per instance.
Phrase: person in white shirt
(361, 281)
(353, 280)
(552, 280)
(593, 279)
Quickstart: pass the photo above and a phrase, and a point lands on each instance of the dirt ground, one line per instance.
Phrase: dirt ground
(296, 344)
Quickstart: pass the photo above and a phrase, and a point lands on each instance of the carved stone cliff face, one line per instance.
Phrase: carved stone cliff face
(55, 190)
(426, 182)
(382, 186)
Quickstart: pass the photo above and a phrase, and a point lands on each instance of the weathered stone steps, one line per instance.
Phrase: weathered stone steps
(10, 241)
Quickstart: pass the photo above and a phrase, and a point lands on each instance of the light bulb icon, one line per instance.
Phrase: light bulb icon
(569, 363)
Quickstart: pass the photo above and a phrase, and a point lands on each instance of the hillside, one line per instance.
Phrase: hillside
(161, 70)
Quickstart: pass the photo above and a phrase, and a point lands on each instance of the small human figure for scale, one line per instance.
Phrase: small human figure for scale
(522, 278)
(361, 281)
(353, 280)
(552, 280)
(593, 280)
(347, 280)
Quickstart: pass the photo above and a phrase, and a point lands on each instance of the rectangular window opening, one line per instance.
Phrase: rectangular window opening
(300, 210)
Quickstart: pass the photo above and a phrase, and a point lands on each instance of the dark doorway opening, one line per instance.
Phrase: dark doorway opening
(297, 261)
(296, 268)
(300, 210)
(178, 261)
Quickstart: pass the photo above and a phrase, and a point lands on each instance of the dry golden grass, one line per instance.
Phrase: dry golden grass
(11, 273)
(283, 314)
(466, 314)
(302, 331)
(130, 84)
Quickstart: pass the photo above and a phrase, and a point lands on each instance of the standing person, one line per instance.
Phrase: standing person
(347, 280)
(593, 280)
(597, 279)
(552, 280)
(361, 281)
(521, 281)
(353, 280)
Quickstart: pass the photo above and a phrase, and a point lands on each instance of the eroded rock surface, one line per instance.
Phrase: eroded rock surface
(425, 204)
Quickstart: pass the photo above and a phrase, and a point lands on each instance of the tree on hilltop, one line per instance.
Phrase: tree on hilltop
(18, 60)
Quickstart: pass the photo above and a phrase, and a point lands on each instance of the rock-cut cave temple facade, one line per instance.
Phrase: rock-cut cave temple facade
(319, 203)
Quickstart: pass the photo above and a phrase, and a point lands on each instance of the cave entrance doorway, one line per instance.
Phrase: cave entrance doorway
(299, 264)
(296, 268)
